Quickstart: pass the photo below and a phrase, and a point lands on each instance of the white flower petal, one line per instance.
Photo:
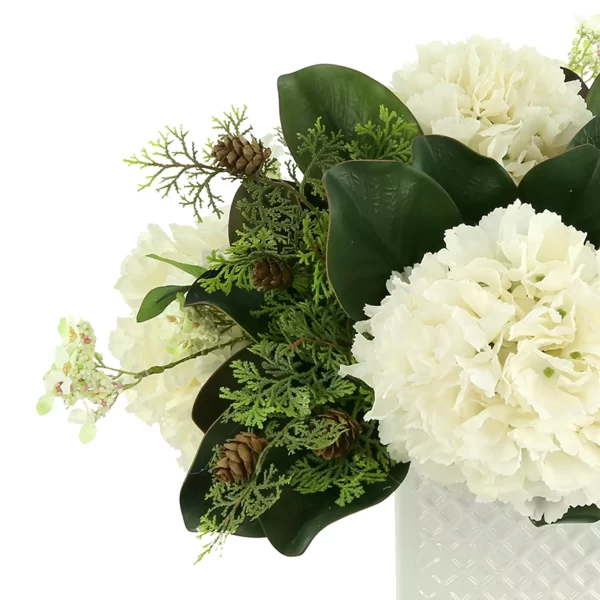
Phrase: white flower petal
(87, 432)
(45, 403)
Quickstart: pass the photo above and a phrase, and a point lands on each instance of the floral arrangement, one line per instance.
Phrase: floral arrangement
(405, 276)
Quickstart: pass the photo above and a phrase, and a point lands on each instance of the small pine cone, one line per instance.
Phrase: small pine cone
(269, 274)
(347, 440)
(239, 156)
(238, 458)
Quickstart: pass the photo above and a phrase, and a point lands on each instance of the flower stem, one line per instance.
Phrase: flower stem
(158, 369)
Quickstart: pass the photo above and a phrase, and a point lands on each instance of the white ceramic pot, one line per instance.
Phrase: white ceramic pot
(452, 548)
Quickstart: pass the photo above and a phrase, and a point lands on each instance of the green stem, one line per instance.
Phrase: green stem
(119, 371)
(299, 196)
(158, 369)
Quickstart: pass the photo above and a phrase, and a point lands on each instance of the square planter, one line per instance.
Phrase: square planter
(450, 547)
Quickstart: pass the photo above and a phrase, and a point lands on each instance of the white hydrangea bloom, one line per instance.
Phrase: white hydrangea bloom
(512, 106)
(485, 362)
(167, 399)
(186, 244)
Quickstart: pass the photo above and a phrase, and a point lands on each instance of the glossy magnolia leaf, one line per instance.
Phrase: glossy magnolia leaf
(295, 520)
(576, 514)
(192, 498)
(477, 184)
(238, 304)
(384, 216)
(589, 134)
(157, 300)
(593, 98)
(195, 270)
(568, 185)
(236, 219)
(572, 76)
(209, 405)
(341, 97)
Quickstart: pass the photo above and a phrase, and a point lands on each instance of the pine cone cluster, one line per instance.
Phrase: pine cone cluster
(239, 156)
(238, 458)
(347, 440)
(270, 274)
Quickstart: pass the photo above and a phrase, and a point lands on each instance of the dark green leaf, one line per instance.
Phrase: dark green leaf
(593, 98)
(576, 514)
(236, 219)
(157, 300)
(589, 134)
(238, 304)
(572, 76)
(384, 216)
(209, 405)
(341, 97)
(194, 270)
(192, 498)
(477, 184)
(568, 185)
(294, 521)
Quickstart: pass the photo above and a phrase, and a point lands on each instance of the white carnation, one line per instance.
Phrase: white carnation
(167, 399)
(513, 106)
(485, 362)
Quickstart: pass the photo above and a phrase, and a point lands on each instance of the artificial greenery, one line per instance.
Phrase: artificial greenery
(288, 378)
(282, 384)
(157, 300)
(178, 167)
(234, 504)
(341, 98)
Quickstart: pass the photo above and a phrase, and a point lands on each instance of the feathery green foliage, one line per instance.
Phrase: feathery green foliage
(284, 393)
(237, 503)
(388, 140)
(370, 463)
(178, 167)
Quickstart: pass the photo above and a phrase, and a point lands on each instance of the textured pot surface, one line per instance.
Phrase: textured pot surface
(452, 548)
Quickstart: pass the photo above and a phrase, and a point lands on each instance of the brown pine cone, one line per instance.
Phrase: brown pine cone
(270, 274)
(238, 458)
(239, 156)
(347, 440)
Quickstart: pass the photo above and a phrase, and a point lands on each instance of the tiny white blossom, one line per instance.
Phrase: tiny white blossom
(591, 24)
(77, 377)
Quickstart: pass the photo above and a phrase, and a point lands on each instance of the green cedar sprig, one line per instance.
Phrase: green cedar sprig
(389, 140)
(296, 377)
(284, 386)
(177, 167)
(237, 503)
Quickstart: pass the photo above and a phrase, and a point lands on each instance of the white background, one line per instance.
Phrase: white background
(83, 85)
